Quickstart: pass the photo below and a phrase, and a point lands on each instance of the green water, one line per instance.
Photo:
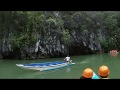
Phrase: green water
(9, 70)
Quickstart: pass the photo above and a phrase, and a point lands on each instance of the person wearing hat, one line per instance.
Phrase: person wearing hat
(87, 74)
(103, 72)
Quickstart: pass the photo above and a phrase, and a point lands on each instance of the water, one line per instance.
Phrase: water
(9, 70)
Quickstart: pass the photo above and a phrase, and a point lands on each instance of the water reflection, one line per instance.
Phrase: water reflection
(113, 54)
(68, 69)
(74, 71)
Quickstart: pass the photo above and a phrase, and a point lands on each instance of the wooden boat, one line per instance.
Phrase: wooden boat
(45, 66)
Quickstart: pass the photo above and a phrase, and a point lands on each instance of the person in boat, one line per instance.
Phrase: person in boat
(67, 59)
(87, 74)
(103, 72)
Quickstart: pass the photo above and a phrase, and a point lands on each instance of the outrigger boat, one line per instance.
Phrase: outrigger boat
(45, 66)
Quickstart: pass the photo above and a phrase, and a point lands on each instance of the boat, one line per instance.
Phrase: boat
(45, 66)
(95, 76)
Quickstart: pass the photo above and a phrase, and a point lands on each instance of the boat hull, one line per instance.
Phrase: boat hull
(95, 76)
(44, 68)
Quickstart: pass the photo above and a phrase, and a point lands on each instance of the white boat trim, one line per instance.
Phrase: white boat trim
(43, 68)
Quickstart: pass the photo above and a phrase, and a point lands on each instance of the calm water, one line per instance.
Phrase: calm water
(8, 69)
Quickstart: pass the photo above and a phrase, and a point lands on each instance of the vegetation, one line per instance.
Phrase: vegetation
(35, 34)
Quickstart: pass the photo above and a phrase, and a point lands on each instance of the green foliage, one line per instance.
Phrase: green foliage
(23, 28)
(65, 37)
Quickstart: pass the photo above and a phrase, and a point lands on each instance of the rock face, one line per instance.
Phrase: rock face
(31, 35)
(56, 48)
